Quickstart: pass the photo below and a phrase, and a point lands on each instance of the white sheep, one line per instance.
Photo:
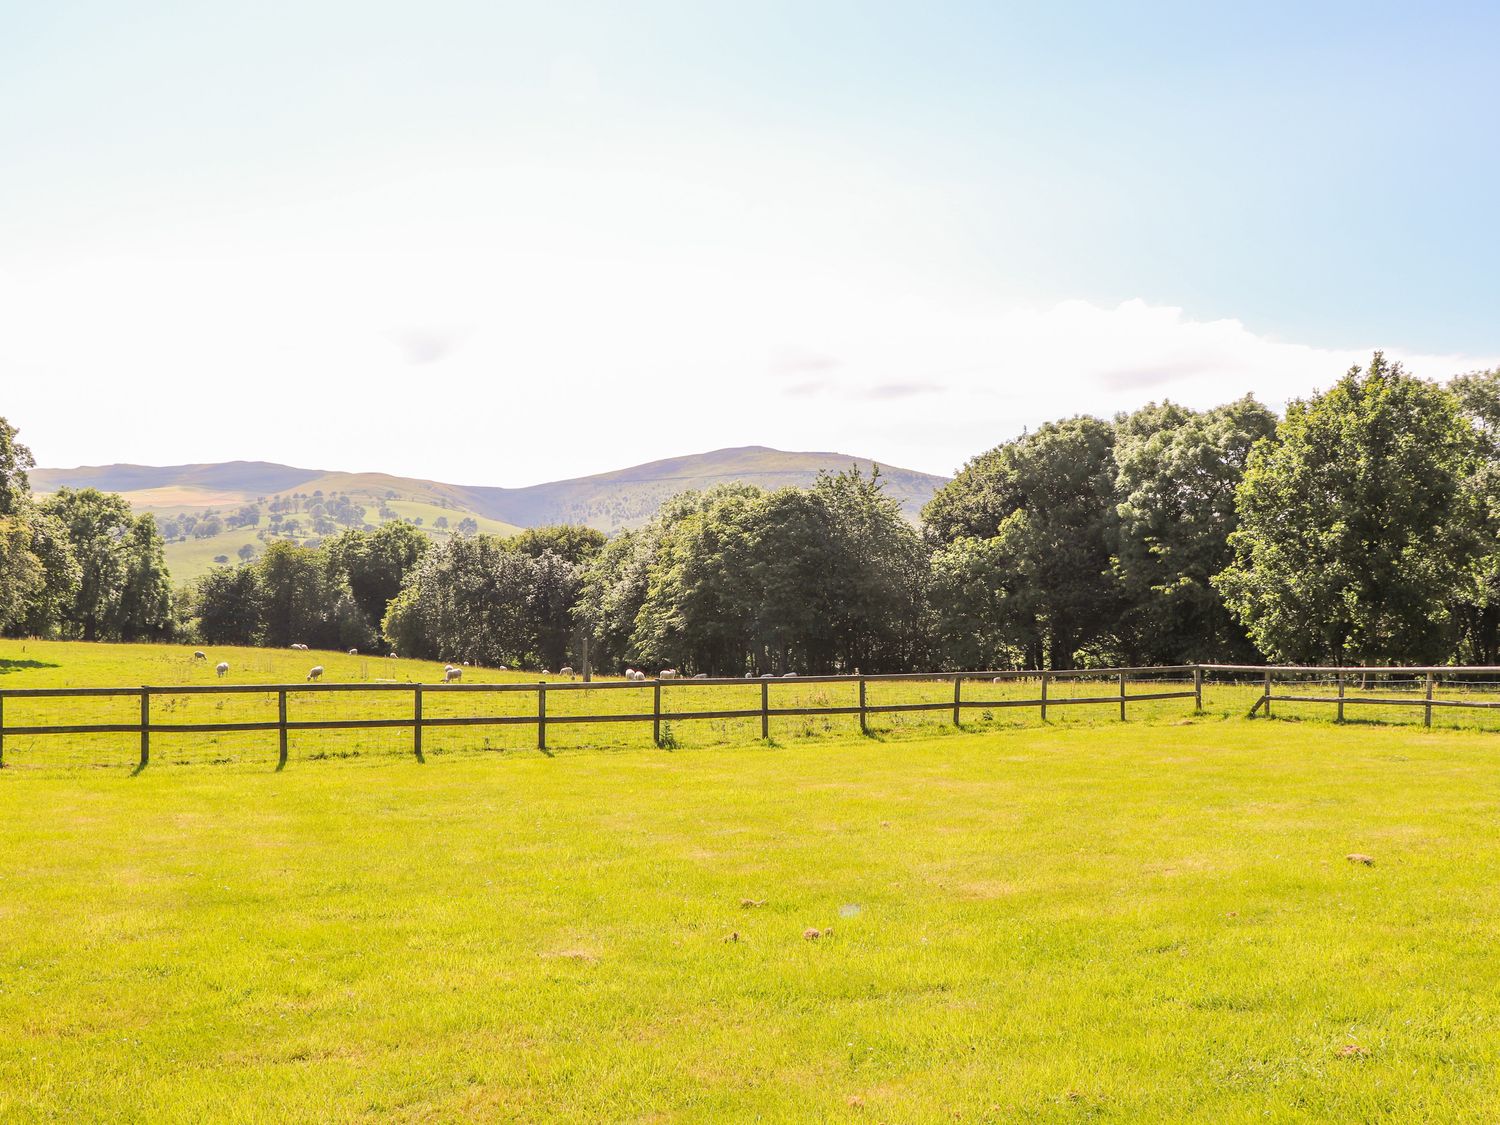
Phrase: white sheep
(354, 652)
(701, 676)
(789, 676)
(749, 675)
(632, 674)
(222, 668)
(451, 673)
(667, 674)
(299, 648)
(768, 675)
(315, 672)
(566, 670)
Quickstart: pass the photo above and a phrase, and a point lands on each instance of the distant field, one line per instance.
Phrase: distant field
(1089, 921)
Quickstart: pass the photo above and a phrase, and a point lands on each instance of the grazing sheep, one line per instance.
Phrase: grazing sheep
(790, 676)
(701, 676)
(222, 668)
(505, 668)
(566, 670)
(315, 672)
(300, 648)
(200, 656)
(393, 654)
(451, 673)
(667, 674)
(632, 674)
(354, 652)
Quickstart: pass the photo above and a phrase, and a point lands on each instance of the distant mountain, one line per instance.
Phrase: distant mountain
(608, 501)
(630, 497)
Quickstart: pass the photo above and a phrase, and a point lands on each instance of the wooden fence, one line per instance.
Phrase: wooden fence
(284, 725)
(1348, 686)
(1419, 680)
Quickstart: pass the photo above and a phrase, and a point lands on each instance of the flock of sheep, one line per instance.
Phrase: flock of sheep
(453, 672)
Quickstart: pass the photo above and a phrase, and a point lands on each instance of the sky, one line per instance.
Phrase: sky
(501, 243)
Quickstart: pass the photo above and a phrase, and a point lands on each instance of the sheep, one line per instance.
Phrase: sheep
(667, 674)
(200, 656)
(354, 652)
(632, 674)
(998, 680)
(315, 672)
(701, 676)
(790, 676)
(749, 675)
(222, 668)
(451, 673)
(768, 675)
(299, 648)
(566, 670)
(505, 668)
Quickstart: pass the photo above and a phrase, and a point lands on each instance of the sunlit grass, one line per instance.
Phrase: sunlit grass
(1141, 921)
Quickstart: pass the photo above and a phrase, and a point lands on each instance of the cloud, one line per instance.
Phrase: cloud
(899, 390)
(422, 346)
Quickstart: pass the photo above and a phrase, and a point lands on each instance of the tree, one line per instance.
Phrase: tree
(295, 596)
(15, 460)
(1477, 610)
(96, 525)
(1357, 525)
(230, 606)
(246, 552)
(1177, 471)
(1049, 499)
(375, 564)
(468, 599)
(143, 607)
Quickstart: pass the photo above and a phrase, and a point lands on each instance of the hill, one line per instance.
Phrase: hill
(217, 512)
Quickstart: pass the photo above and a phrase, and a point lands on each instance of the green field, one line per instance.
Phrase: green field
(1087, 920)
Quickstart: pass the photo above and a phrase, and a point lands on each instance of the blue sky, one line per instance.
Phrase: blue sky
(897, 230)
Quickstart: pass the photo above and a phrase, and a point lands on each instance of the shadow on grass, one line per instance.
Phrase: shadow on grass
(8, 666)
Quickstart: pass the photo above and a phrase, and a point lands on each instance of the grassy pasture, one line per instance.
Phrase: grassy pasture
(1088, 921)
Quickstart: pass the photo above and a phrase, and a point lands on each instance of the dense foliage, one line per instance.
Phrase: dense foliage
(1363, 527)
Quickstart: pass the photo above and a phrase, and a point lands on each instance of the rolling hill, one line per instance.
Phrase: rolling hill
(205, 509)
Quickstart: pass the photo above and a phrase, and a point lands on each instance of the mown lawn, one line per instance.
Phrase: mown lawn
(1148, 921)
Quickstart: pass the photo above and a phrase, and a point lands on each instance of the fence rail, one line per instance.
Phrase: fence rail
(1421, 678)
(145, 727)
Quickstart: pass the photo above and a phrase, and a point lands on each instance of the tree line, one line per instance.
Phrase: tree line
(1363, 526)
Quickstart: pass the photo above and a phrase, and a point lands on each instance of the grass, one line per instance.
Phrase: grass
(1083, 921)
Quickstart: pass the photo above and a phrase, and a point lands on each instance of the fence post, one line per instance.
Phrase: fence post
(1198, 689)
(765, 709)
(1427, 717)
(2, 730)
(541, 715)
(958, 684)
(1122, 697)
(281, 719)
(656, 714)
(1266, 696)
(416, 722)
(864, 718)
(1341, 697)
(145, 727)
(1045, 678)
